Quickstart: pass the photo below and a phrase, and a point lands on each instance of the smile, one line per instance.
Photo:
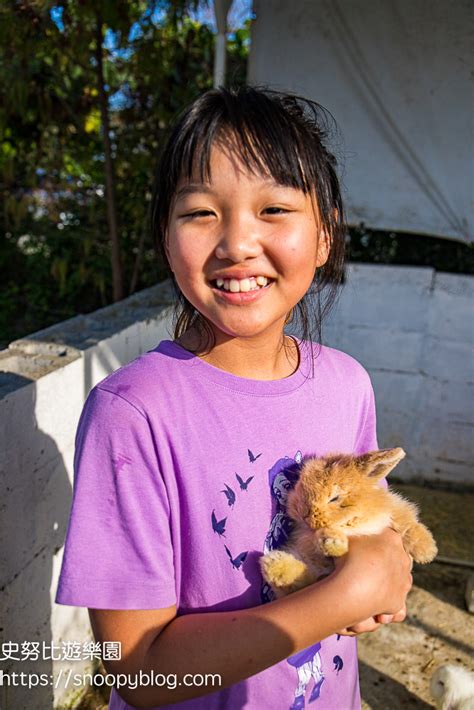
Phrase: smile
(253, 283)
(241, 295)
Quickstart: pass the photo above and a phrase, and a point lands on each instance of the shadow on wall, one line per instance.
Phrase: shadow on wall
(35, 497)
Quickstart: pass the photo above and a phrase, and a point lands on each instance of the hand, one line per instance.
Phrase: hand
(374, 623)
(377, 573)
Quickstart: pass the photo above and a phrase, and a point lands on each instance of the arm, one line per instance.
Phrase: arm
(373, 579)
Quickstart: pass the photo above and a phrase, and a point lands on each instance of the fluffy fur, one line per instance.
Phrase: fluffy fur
(452, 688)
(335, 498)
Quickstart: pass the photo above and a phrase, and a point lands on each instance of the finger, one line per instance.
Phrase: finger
(400, 615)
(392, 618)
(346, 632)
(365, 627)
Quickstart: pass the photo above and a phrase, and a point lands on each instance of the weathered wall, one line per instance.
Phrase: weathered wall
(41, 397)
(410, 327)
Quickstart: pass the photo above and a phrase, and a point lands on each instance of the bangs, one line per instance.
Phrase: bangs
(273, 135)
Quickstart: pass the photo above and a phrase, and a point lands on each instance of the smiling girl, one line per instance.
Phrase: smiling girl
(185, 456)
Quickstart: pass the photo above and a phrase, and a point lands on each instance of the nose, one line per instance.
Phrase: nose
(239, 240)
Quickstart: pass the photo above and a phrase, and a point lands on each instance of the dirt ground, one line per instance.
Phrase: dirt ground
(398, 660)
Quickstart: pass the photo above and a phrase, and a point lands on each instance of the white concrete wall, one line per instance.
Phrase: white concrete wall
(47, 378)
(410, 327)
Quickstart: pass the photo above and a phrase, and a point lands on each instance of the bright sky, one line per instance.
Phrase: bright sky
(240, 11)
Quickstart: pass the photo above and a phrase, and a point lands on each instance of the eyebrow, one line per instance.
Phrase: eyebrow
(192, 188)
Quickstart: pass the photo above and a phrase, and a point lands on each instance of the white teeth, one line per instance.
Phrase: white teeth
(244, 285)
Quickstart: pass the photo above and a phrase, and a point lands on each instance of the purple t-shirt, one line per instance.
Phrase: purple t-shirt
(181, 476)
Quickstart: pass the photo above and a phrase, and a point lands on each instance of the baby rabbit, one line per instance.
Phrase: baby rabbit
(452, 687)
(334, 498)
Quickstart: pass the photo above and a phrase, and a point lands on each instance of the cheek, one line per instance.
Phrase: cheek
(300, 248)
(182, 256)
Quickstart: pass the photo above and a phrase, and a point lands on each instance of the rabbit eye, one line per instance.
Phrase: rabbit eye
(333, 500)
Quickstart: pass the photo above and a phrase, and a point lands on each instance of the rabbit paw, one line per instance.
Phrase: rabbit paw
(334, 545)
(283, 571)
(422, 546)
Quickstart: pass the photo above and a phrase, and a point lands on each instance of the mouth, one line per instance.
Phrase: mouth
(233, 294)
(253, 283)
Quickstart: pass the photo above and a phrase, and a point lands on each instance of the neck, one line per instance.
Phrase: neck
(257, 358)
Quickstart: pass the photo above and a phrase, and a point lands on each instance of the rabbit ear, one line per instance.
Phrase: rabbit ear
(377, 464)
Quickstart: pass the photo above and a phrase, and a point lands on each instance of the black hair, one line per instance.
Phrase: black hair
(277, 134)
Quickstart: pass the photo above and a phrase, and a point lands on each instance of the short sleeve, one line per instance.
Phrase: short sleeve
(118, 552)
(367, 433)
(367, 437)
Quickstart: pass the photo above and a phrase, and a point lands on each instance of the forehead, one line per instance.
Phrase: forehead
(223, 158)
(245, 153)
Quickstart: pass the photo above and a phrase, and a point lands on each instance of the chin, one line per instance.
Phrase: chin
(238, 330)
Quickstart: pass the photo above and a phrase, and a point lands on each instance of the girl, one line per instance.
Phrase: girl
(184, 457)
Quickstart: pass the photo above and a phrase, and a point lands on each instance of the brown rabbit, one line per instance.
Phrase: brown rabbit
(336, 497)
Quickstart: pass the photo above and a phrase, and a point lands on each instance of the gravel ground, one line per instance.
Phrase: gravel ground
(397, 661)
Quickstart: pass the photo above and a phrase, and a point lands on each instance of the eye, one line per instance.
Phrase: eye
(333, 500)
(198, 213)
(276, 210)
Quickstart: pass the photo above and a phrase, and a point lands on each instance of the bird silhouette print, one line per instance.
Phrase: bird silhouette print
(218, 525)
(229, 494)
(252, 457)
(338, 663)
(237, 561)
(243, 484)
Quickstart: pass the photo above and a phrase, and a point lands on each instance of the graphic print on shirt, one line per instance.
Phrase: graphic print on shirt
(253, 457)
(244, 484)
(229, 494)
(218, 525)
(121, 461)
(307, 663)
(239, 560)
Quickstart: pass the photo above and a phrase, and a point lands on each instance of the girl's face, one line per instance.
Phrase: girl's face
(236, 228)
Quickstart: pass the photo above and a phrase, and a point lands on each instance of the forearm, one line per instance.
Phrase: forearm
(236, 645)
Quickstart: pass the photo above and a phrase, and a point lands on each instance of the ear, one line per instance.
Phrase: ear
(377, 464)
(324, 246)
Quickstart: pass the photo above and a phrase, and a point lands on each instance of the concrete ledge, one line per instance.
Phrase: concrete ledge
(46, 350)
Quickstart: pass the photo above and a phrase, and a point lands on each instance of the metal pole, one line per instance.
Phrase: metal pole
(221, 10)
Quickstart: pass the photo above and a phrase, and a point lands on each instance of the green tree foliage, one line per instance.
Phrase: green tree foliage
(55, 249)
